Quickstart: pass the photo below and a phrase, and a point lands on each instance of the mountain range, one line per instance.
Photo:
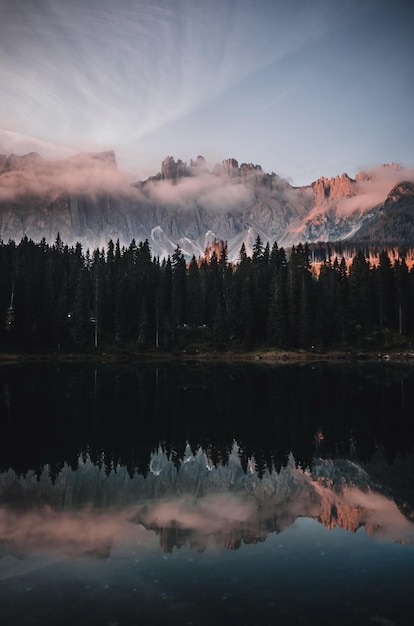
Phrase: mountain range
(86, 198)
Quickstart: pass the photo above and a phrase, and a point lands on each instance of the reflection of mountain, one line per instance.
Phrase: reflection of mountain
(85, 451)
(85, 510)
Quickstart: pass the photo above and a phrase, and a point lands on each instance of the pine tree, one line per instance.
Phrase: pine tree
(277, 320)
(193, 300)
(404, 298)
(360, 305)
(299, 297)
(179, 284)
(165, 304)
(384, 279)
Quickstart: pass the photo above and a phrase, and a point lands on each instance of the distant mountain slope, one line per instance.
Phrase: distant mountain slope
(86, 198)
(393, 222)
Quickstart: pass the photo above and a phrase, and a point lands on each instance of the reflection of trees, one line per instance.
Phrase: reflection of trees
(119, 415)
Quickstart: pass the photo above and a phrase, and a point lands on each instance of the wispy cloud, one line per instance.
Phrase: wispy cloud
(109, 73)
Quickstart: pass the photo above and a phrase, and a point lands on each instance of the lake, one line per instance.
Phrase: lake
(199, 492)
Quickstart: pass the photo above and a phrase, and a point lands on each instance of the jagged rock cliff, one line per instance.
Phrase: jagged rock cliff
(338, 187)
(86, 198)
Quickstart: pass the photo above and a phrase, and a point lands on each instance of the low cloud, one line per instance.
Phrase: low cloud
(81, 174)
(372, 188)
(206, 190)
(94, 174)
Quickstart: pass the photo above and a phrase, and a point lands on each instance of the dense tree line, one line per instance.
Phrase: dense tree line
(60, 297)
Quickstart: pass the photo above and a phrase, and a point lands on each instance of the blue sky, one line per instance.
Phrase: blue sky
(305, 88)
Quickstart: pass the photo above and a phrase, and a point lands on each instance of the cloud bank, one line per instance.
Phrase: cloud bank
(96, 174)
(374, 186)
(82, 174)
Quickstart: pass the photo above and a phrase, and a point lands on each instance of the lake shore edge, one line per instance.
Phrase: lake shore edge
(271, 356)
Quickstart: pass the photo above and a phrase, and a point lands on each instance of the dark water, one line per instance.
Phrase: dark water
(196, 493)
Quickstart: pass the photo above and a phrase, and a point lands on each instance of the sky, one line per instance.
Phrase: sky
(305, 88)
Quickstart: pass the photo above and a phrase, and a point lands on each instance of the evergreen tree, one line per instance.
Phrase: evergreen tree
(299, 297)
(193, 300)
(360, 296)
(179, 284)
(384, 278)
(403, 308)
(165, 305)
(243, 319)
(277, 321)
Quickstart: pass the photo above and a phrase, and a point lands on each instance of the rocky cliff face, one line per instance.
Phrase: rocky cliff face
(333, 188)
(86, 198)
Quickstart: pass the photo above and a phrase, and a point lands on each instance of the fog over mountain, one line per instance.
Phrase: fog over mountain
(86, 198)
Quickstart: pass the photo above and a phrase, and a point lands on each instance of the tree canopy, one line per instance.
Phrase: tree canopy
(64, 298)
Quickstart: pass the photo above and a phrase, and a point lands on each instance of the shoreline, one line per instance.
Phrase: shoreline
(280, 357)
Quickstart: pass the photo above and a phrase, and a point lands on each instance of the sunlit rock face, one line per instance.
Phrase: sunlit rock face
(192, 503)
(87, 199)
(338, 187)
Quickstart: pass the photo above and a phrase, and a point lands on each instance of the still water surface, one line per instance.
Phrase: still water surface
(243, 494)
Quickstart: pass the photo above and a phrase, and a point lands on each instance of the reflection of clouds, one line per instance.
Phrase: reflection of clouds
(84, 532)
(207, 515)
(382, 517)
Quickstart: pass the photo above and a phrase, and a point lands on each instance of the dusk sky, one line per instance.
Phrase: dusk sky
(303, 87)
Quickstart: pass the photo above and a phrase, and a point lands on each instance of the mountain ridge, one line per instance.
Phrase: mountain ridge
(86, 198)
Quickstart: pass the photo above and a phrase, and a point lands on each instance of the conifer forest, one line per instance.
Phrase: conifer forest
(60, 298)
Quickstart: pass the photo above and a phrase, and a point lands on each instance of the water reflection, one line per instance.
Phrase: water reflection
(200, 494)
(120, 415)
(197, 504)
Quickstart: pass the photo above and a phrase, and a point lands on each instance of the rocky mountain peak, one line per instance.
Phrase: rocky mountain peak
(99, 160)
(230, 167)
(14, 163)
(105, 158)
(198, 165)
(33, 163)
(329, 188)
(172, 170)
(246, 171)
(372, 175)
(83, 199)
